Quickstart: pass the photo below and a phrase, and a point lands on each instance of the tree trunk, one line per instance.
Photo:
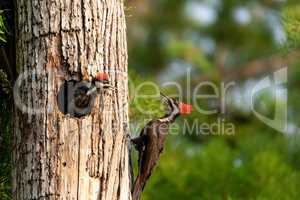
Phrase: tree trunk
(56, 156)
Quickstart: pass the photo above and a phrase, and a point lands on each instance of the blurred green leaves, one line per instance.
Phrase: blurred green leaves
(5, 182)
(291, 19)
(2, 27)
(257, 163)
(217, 170)
(5, 84)
(145, 102)
(187, 51)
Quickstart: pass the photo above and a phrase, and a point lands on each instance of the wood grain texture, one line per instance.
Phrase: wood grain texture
(56, 156)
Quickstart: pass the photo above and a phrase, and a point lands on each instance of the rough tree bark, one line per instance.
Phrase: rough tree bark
(56, 156)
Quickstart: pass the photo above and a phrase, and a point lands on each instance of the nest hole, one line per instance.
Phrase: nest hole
(73, 100)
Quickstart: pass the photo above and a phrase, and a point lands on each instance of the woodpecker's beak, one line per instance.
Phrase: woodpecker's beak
(91, 91)
(185, 108)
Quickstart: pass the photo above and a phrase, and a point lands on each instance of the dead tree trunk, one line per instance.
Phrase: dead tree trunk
(57, 156)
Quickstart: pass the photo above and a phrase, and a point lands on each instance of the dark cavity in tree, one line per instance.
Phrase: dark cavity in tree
(73, 100)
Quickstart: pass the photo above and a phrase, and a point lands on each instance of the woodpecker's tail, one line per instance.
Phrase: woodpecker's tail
(137, 189)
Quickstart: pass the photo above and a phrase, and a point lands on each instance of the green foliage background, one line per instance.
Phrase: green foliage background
(291, 16)
(257, 162)
(2, 27)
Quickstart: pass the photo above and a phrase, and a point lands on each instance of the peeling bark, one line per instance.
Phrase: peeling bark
(56, 156)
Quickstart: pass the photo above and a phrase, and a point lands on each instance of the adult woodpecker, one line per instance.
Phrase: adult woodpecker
(151, 141)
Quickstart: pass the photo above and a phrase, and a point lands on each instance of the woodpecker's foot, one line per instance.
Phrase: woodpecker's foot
(138, 142)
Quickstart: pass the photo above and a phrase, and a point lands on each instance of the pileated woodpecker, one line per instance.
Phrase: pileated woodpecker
(76, 97)
(150, 143)
(84, 92)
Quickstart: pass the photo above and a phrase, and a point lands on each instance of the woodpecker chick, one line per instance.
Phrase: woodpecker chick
(84, 91)
(102, 81)
(151, 141)
(82, 96)
(76, 97)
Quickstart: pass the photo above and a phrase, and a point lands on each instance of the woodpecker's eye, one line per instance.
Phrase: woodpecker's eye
(74, 98)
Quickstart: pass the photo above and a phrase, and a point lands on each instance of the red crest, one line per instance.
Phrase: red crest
(185, 108)
(101, 76)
